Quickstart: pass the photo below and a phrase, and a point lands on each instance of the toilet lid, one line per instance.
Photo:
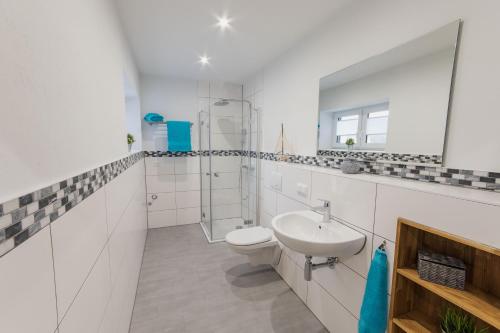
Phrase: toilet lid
(249, 236)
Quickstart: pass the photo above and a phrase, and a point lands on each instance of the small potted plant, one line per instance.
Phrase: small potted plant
(456, 321)
(130, 141)
(349, 164)
(350, 144)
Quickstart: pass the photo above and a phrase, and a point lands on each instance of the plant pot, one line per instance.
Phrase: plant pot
(350, 166)
(130, 147)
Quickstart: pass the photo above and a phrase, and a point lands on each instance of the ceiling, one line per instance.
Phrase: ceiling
(168, 36)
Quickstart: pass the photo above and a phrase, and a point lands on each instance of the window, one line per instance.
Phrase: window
(367, 126)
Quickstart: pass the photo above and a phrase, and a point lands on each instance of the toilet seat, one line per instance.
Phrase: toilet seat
(250, 236)
(258, 243)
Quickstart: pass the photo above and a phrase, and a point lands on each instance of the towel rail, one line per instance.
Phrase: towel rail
(162, 123)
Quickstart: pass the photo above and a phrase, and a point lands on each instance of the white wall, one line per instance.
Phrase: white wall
(80, 273)
(417, 92)
(175, 181)
(175, 99)
(62, 96)
(134, 121)
(61, 91)
(173, 190)
(367, 204)
(364, 29)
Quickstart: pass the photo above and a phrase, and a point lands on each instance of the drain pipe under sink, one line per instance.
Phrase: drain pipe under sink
(309, 266)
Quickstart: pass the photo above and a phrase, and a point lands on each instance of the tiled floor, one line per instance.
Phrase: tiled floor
(188, 285)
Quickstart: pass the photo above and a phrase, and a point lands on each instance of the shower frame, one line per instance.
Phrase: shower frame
(253, 112)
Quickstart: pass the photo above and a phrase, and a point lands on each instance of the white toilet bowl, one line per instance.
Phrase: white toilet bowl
(258, 243)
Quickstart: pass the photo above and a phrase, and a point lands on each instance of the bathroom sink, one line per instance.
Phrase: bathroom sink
(304, 232)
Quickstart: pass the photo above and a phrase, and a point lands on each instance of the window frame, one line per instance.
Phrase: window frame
(361, 135)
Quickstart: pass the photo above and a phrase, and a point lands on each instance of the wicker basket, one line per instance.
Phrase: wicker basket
(440, 269)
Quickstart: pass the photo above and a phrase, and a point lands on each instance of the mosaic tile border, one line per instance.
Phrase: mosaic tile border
(372, 156)
(482, 180)
(23, 217)
(160, 153)
(194, 153)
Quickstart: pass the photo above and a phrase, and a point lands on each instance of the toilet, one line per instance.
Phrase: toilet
(258, 243)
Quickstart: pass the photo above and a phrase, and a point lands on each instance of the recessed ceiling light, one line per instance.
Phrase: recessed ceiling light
(204, 60)
(223, 22)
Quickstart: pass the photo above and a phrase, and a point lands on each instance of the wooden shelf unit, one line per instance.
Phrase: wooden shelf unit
(417, 305)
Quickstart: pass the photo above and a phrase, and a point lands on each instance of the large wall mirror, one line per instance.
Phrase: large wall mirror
(395, 103)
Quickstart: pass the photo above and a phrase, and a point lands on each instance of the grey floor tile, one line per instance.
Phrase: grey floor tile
(188, 285)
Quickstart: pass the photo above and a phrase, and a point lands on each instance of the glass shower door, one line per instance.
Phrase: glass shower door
(249, 167)
(228, 167)
(205, 165)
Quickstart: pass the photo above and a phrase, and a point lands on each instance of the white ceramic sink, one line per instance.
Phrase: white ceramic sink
(304, 232)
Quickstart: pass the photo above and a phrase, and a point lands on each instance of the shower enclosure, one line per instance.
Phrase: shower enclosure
(228, 131)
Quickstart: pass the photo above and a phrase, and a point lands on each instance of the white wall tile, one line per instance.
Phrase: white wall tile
(329, 311)
(226, 141)
(346, 286)
(120, 191)
(265, 220)
(188, 199)
(160, 183)
(390, 250)
(185, 165)
(351, 200)
(226, 163)
(226, 211)
(266, 170)
(163, 201)
(293, 276)
(225, 180)
(285, 205)
(159, 165)
(77, 237)
(188, 215)
(226, 124)
(119, 309)
(268, 203)
(460, 217)
(225, 90)
(188, 182)
(27, 287)
(293, 179)
(87, 311)
(298, 258)
(360, 263)
(160, 219)
(226, 197)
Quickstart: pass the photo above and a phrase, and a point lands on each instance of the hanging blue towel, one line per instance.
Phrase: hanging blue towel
(153, 118)
(373, 317)
(179, 135)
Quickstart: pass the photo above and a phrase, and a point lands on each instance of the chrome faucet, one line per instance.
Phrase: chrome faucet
(325, 210)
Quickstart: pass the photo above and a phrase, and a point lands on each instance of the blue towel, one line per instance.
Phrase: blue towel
(179, 135)
(153, 118)
(373, 316)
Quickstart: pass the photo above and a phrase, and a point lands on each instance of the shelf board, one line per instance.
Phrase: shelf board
(474, 301)
(415, 322)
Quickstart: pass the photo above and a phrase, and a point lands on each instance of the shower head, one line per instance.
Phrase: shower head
(222, 102)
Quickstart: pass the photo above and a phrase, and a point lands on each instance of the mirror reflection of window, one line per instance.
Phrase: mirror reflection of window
(366, 125)
(347, 128)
